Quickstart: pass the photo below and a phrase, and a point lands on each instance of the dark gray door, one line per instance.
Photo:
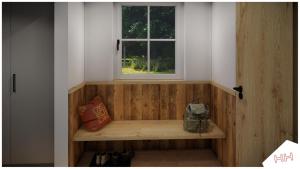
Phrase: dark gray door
(31, 38)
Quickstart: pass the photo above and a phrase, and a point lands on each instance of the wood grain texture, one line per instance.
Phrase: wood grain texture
(75, 99)
(137, 100)
(155, 102)
(167, 158)
(265, 70)
(146, 130)
(147, 81)
(77, 87)
(175, 158)
(224, 114)
(148, 101)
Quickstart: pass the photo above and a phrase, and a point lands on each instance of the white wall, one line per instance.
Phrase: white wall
(75, 43)
(68, 69)
(197, 41)
(223, 44)
(98, 41)
(61, 84)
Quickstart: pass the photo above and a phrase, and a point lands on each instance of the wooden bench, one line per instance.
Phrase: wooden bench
(146, 130)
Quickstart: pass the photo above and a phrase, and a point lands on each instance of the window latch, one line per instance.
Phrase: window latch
(118, 44)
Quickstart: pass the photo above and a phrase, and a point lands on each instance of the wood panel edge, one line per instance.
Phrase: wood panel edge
(147, 82)
(226, 89)
(77, 87)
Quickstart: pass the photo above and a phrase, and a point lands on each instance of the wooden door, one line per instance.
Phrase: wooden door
(265, 71)
(31, 40)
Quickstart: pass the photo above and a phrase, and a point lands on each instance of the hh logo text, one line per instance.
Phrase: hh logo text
(283, 157)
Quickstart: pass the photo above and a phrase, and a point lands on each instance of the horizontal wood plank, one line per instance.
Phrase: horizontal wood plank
(165, 158)
(147, 81)
(175, 158)
(146, 130)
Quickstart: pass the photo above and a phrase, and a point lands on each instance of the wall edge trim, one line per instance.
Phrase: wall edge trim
(76, 87)
(226, 89)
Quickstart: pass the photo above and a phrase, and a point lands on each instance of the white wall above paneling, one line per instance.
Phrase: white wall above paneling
(75, 43)
(98, 41)
(224, 44)
(197, 41)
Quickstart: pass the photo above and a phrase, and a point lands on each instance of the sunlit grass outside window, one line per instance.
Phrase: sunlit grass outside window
(153, 51)
(135, 65)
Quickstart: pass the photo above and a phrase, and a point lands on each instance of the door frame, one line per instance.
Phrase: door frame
(6, 82)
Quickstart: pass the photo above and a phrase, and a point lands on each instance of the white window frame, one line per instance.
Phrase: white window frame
(178, 42)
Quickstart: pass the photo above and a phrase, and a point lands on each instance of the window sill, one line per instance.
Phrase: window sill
(147, 81)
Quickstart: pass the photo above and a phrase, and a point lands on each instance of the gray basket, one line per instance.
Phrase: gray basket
(196, 118)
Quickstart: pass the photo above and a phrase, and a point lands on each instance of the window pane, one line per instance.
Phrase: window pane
(162, 57)
(134, 57)
(162, 22)
(134, 22)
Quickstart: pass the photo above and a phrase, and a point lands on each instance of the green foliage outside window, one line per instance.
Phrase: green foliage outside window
(134, 26)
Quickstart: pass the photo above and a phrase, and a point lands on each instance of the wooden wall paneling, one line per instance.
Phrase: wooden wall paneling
(164, 110)
(136, 103)
(223, 114)
(180, 109)
(155, 101)
(213, 115)
(127, 101)
(164, 102)
(231, 132)
(189, 95)
(149, 102)
(180, 101)
(224, 126)
(219, 116)
(75, 99)
(90, 92)
(172, 101)
(119, 105)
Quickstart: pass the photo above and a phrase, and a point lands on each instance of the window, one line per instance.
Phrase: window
(147, 46)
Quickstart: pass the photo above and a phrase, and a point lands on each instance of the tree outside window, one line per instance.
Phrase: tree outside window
(148, 39)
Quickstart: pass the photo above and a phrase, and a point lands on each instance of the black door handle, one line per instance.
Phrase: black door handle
(14, 83)
(240, 90)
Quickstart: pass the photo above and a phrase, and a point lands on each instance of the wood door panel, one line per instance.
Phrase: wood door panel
(265, 70)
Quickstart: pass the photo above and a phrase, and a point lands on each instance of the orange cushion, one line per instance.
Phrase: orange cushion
(94, 115)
